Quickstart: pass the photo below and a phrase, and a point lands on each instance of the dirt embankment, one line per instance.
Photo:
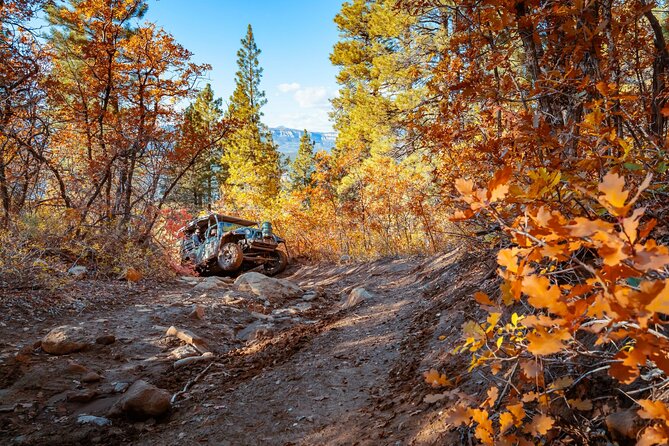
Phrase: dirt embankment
(327, 355)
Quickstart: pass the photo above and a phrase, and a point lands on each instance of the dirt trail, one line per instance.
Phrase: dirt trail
(310, 373)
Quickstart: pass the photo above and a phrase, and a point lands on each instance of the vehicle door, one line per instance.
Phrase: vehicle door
(211, 242)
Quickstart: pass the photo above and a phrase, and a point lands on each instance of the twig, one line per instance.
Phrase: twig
(190, 383)
(506, 386)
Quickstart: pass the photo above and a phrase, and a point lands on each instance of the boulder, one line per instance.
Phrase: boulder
(142, 400)
(267, 287)
(65, 339)
(355, 298)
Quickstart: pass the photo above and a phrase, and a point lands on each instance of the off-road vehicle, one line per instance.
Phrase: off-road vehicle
(219, 244)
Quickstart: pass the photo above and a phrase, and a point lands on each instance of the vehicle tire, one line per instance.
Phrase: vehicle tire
(230, 257)
(278, 265)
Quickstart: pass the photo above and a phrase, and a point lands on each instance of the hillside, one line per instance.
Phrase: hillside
(288, 140)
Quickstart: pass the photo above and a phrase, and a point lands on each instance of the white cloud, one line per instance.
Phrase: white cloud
(311, 97)
(298, 106)
(286, 88)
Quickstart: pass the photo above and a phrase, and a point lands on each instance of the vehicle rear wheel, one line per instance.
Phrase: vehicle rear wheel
(277, 264)
(230, 257)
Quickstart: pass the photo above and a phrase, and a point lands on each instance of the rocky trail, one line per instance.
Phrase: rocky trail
(326, 354)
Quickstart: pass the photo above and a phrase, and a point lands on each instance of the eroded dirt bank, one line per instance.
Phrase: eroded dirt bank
(324, 363)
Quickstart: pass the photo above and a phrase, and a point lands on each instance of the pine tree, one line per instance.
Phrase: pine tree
(303, 166)
(250, 157)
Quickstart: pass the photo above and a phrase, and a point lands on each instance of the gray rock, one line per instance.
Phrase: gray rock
(267, 287)
(184, 351)
(90, 419)
(120, 387)
(142, 400)
(311, 295)
(355, 298)
(65, 339)
(303, 306)
(78, 271)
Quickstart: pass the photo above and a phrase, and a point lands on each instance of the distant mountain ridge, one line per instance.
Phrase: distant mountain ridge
(288, 140)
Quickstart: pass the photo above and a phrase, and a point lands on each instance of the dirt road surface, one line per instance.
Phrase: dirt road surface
(312, 366)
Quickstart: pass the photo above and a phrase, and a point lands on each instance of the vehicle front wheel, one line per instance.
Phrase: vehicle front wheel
(230, 257)
(277, 264)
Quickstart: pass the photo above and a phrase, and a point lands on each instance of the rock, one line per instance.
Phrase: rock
(81, 396)
(355, 297)
(90, 419)
(232, 297)
(255, 331)
(345, 258)
(189, 337)
(309, 296)
(120, 387)
(197, 313)
(65, 339)
(74, 367)
(265, 317)
(209, 284)
(184, 351)
(24, 354)
(142, 400)
(105, 339)
(267, 287)
(78, 271)
(91, 377)
(303, 306)
(193, 359)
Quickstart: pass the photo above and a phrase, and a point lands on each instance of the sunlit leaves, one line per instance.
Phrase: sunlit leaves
(542, 342)
(435, 379)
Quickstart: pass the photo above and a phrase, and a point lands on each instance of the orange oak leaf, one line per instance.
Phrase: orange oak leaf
(541, 342)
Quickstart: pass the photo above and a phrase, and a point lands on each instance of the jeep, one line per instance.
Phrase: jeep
(219, 244)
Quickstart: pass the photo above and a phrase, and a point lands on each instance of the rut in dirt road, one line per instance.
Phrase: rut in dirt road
(325, 389)
(339, 387)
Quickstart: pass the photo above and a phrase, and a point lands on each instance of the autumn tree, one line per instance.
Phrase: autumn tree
(113, 88)
(201, 185)
(23, 128)
(250, 159)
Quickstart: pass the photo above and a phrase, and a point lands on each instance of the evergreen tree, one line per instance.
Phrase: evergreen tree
(250, 157)
(303, 166)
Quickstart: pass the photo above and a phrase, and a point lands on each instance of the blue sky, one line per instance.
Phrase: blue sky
(296, 39)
